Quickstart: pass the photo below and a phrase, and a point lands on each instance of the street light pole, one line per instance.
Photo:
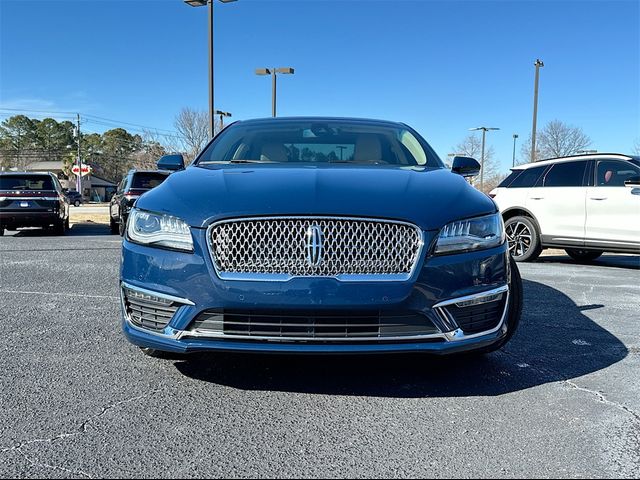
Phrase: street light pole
(484, 133)
(202, 3)
(222, 115)
(538, 64)
(273, 72)
(513, 163)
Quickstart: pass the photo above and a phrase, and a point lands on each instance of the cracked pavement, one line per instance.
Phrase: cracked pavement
(78, 401)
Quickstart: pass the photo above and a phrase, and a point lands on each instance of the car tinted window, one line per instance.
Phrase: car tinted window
(322, 141)
(147, 180)
(528, 177)
(512, 176)
(26, 182)
(565, 174)
(613, 173)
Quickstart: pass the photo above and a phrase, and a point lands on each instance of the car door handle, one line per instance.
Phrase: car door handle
(635, 191)
(598, 198)
(537, 198)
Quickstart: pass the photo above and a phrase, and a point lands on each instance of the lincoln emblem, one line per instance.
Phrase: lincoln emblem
(314, 245)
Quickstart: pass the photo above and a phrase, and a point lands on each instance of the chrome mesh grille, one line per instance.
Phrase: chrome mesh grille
(280, 246)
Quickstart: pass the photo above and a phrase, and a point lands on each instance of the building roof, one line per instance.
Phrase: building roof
(50, 166)
(101, 182)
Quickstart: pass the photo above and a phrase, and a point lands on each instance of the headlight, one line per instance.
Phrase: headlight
(159, 230)
(471, 234)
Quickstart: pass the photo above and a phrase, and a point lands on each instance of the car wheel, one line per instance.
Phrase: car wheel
(583, 255)
(122, 225)
(513, 314)
(76, 203)
(523, 238)
(1, 232)
(60, 228)
(113, 225)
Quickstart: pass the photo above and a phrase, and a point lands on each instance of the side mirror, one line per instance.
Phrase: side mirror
(173, 162)
(465, 166)
(65, 190)
(632, 182)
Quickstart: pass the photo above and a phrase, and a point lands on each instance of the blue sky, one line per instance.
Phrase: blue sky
(441, 67)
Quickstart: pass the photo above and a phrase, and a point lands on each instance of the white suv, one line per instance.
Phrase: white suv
(586, 204)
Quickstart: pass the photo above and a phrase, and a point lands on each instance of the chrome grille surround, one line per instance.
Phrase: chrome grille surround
(354, 248)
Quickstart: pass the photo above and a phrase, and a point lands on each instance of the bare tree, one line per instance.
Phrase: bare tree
(635, 150)
(471, 146)
(193, 128)
(556, 139)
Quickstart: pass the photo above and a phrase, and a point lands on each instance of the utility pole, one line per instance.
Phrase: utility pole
(538, 64)
(513, 162)
(79, 177)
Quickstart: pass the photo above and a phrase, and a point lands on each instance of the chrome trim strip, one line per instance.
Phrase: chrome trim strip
(283, 277)
(459, 334)
(157, 294)
(222, 336)
(475, 296)
(29, 198)
(168, 332)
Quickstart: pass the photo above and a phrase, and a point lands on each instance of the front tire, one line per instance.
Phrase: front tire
(523, 238)
(514, 313)
(113, 225)
(122, 226)
(61, 227)
(581, 256)
(76, 203)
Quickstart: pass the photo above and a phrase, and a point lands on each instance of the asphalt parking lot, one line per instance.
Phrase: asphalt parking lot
(562, 400)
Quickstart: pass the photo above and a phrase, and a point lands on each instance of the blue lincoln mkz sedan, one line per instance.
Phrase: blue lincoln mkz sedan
(318, 235)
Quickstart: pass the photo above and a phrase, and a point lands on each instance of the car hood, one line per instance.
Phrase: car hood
(429, 198)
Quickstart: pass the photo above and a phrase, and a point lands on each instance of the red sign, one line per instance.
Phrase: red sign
(86, 169)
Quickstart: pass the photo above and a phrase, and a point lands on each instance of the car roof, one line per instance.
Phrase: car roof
(25, 173)
(586, 156)
(365, 121)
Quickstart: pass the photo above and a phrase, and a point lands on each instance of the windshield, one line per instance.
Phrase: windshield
(26, 182)
(320, 142)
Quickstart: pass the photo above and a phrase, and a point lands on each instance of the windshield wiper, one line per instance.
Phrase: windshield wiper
(235, 160)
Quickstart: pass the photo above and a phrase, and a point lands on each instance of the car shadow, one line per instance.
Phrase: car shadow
(77, 230)
(611, 260)
(556, 341)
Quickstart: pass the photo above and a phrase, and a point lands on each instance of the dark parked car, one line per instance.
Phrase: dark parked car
(75, 198)
(318, 235)
(134, 184)
(32, 200)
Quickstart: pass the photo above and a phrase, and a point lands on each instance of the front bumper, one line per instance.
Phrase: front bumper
(190, 279)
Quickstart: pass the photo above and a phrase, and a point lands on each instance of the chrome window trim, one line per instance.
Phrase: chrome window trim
(283, 277)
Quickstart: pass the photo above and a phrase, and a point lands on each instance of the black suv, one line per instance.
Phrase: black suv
(32, 200)
(134, 184)
(75, 198)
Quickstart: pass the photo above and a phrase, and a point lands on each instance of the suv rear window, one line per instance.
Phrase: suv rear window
(528, 177)
(147, 180)
(565, 174)
(26, 182)
(507, 181)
